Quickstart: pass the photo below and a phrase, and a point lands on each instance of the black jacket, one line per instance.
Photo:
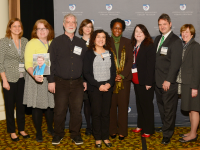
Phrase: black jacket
(145, 63)
(167, 66)
(88, 71)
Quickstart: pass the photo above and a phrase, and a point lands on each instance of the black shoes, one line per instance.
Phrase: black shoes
(165, 140)
(88, 132)
(15, 139)
(191, 140)
(182, 135)
(56, 140)
(24, 136)
(108, 144)
(39, 138)
(98, 145)
(158, 129)
(113, 136)
(77, 140)
(121, 137)
(50, 132)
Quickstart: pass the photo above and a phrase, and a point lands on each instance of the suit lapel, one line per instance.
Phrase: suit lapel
(187, 51)
(165, 43)
(157, 42)
(139, 52)
(12, 48)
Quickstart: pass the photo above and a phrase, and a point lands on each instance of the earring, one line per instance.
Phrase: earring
(94, 44)
(105, 44)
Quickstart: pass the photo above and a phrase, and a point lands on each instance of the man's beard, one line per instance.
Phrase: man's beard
(70, 30)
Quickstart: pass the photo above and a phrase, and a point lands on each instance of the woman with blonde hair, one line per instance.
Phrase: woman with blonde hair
(36, 94)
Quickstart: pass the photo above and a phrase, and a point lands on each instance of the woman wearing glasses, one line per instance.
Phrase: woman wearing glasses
(36, 94)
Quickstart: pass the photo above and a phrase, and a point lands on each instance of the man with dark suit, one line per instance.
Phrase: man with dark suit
(168, 61)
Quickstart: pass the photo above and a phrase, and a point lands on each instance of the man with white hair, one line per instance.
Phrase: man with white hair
(66, 55)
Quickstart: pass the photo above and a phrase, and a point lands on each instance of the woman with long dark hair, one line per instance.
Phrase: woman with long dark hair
(99, 72)
(143, 78)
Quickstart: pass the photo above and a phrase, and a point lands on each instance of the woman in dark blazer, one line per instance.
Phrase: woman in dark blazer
(189, 80)
(12, 74)
(143, 78)
(99, 72)
(123, 56)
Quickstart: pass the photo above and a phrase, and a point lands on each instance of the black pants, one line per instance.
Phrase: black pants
(87, 110)
(69, 93)
(100, 104)
(37, 115)
(167, 105)
(12, 97)
(145, 108)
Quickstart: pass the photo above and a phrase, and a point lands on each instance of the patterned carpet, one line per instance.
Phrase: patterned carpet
(132, 142)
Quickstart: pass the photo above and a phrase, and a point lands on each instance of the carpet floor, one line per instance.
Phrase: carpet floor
(131, 142)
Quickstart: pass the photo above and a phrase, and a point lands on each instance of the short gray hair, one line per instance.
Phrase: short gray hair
(69, 15)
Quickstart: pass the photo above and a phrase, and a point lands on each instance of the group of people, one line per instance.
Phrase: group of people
(97, 70)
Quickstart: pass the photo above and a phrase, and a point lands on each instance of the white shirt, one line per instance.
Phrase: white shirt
(166, 35)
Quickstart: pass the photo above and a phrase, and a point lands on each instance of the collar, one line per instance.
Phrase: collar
(166, 35)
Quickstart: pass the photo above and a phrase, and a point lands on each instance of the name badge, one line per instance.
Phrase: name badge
(77, 50)
(134, 70)
(21, 67)
(164, 50)
(105, 55)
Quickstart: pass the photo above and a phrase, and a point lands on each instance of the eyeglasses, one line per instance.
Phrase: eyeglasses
(42, 29)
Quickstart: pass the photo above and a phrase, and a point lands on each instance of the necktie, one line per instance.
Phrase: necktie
(161, 42)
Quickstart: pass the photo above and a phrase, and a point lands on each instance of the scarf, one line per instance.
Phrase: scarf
(39, 71)
(119, 69)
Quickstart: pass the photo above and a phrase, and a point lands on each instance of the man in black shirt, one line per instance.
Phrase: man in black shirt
(66, 56)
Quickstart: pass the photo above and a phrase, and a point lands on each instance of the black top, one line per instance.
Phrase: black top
(145, 63)
(88, 71)
(64, 62)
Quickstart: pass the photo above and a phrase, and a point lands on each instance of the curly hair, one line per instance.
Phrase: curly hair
(11, 21)
(107, 45)
(84, 23)
(47, 25)
(148, 40)
(118, 20)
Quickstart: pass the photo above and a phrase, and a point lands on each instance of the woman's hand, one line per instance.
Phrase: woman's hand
(148, 87)
(118, 78)
(51, 87)
(194, 92)
(107, 85)
(103, 88)
(38, 78)
(6, 85)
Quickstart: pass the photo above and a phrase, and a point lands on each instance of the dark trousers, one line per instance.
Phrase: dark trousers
(119, 117)
(87, 110)
(145, 108)
(37, 115)
(100, 104)
(69, 93)
(167, 105)
(12, 97)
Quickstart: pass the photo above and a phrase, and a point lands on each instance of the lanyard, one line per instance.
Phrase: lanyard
(135, 52)
(44, 44)
(19, 50)
(136, 49)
